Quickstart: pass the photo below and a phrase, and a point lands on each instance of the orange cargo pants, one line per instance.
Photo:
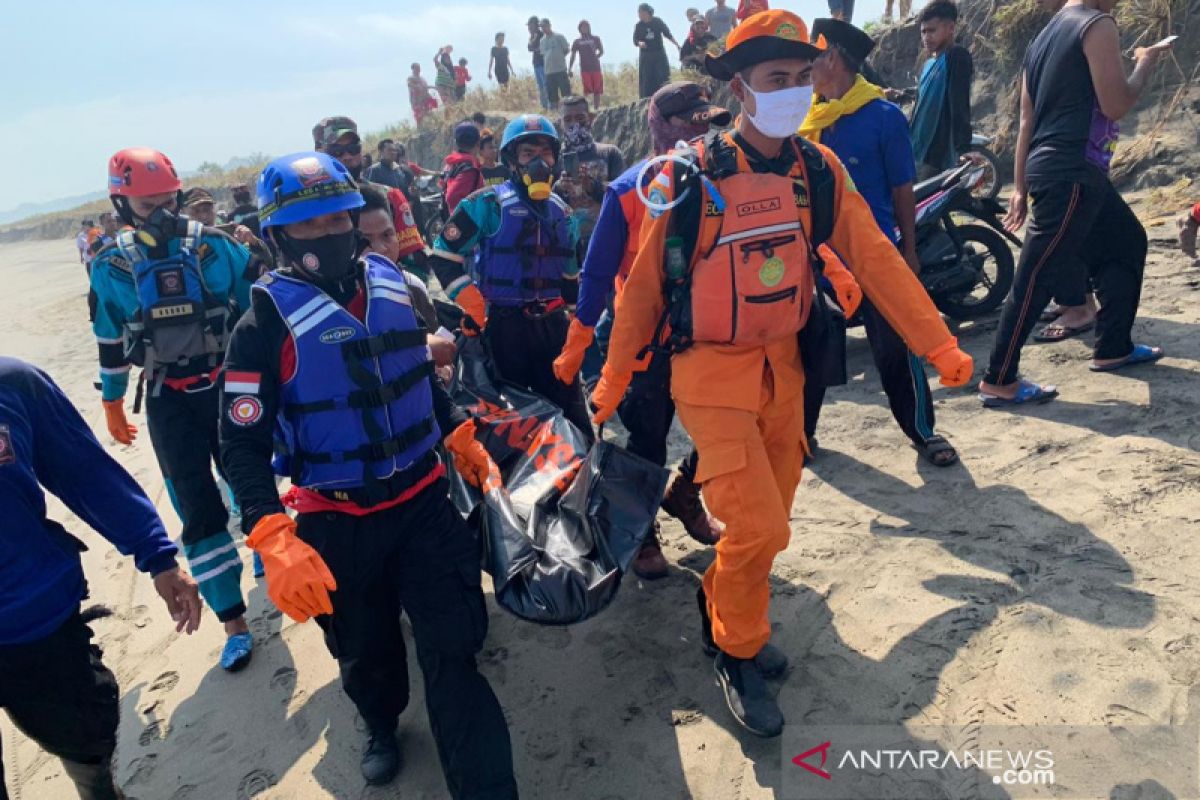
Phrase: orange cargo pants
(750, 465)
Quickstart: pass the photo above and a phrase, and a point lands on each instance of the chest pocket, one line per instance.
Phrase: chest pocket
(755, 283)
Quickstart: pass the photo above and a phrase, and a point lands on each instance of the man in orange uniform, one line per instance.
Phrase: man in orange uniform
(738, 387)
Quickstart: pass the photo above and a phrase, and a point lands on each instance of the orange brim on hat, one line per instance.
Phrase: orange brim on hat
(765, 36)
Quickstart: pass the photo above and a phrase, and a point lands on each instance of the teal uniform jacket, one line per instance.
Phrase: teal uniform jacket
(228, 268)
(478, 217)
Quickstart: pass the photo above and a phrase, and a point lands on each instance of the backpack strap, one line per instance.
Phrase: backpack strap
(127, 244)
(821, 190)
(191, 239)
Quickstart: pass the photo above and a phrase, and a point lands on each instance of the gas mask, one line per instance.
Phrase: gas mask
(326, 260)
(536, 176)
(161, 227)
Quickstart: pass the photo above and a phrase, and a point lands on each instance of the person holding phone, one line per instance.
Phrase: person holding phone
(1074, 91)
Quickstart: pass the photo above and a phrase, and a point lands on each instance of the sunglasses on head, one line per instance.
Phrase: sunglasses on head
(336, 150)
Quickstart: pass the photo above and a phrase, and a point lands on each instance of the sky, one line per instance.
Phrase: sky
(210, 81)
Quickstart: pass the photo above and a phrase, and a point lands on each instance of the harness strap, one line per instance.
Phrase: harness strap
(376, 451)
(367, 398)
(527, 283)
(387, 342)
(539, 250)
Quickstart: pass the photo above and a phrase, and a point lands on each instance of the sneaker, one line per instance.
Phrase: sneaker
(747, 697)
(237, 651)
(381, 760)
(650, 564)
(682, 501)
(770, 660)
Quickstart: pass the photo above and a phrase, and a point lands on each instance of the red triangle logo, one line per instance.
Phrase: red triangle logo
(800, 760)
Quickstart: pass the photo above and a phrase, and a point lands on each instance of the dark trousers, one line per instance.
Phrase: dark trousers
(523, 349)
(58, 692)
(1072, 286)
(558, 86)
(1071, 222)
(647, 412)
(184, 432)
(418, 557)
(900, 372)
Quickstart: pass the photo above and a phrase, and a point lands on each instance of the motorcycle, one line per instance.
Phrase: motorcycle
(982, 156)
(966, 268)
(432, 206)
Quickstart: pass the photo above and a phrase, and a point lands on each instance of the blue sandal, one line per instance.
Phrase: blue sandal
(237, 651)
(1027, 392)
(1141, 354)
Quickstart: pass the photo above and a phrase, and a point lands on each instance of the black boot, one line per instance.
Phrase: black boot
(747, 697)
(381, 760)
(771, 661)
(93, 781)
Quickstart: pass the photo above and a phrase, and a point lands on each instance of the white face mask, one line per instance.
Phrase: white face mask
(779, 114)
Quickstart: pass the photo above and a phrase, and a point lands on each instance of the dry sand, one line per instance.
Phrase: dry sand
(1050, 579)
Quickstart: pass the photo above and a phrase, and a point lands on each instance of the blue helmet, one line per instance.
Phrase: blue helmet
(525, 126)
(304, 185)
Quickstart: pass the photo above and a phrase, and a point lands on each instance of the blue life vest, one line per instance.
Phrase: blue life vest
(524, 262)
(359, 407)
(179, 321)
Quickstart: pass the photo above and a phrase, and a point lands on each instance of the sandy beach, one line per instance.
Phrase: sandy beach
(1049, 579)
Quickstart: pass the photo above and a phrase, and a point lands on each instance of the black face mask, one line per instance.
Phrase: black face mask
(328, 260)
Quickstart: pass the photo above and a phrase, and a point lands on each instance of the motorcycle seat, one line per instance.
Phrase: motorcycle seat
(928, 188)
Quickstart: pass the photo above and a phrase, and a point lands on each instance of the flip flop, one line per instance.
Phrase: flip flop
(934, 446)
(1062, 332)
(1050, 314)
(1027, 392)
(1142, 354)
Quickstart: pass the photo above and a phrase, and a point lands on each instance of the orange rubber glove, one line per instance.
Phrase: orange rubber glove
(569, 361)
(609, 393)
(849, 293)
(298, 581)
(118, 425)
(472, 302)
(471, 459)
(954, 366)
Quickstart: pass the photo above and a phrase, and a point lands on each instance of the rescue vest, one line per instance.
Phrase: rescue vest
(179, 322)
(524, 261)
(359, 407)
(751, 265)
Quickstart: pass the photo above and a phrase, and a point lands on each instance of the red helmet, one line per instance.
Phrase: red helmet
(141, 171)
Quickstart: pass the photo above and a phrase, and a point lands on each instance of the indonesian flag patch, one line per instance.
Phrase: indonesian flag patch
(242, 382)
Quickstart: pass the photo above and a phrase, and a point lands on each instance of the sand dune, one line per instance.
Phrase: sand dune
(1051, 579)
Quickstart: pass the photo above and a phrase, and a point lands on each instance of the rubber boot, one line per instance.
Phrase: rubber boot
(682, 501)
(93, 781)
(381, 759)
(747, 697)
(771, 661)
